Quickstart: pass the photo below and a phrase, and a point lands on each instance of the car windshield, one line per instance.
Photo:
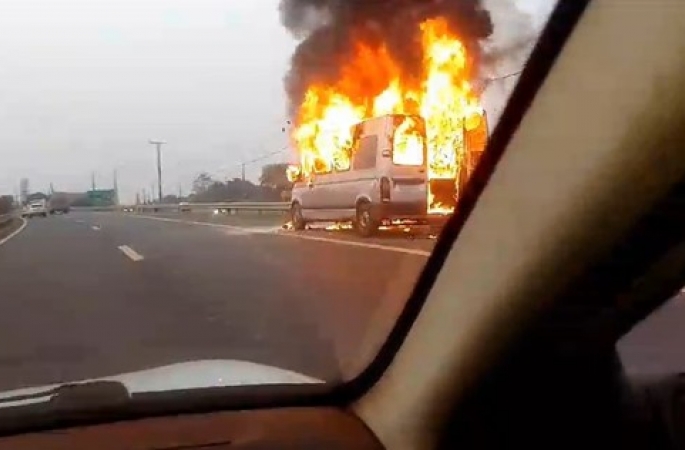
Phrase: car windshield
(183, 154)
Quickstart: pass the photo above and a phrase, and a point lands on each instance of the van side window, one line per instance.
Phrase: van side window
(365, 156)
(341, 161)
(321, 167)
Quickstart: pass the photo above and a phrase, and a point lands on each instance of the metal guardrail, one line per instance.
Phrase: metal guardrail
(229, 207)
(95, 208)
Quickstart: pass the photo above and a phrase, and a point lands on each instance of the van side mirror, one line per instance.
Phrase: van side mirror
(476, 133)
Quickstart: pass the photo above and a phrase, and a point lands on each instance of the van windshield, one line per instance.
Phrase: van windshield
(409, 141)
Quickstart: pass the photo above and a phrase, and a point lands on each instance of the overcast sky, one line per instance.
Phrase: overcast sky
(85, 83)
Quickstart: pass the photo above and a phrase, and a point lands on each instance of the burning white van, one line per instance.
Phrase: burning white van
(383, 176)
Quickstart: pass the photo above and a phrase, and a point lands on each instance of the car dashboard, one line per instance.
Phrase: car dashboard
(282, 428)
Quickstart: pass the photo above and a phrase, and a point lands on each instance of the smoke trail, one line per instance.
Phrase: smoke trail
(329, 30)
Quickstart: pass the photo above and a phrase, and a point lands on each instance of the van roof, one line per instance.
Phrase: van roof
(371, 120)
(390, 115)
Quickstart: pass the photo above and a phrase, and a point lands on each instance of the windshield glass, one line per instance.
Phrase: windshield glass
(162, 140)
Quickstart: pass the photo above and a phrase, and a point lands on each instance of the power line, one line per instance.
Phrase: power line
(485, 82)
(259, 158)
(504, 77)
(266, 156)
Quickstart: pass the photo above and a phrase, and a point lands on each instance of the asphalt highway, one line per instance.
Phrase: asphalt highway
(93, 294)
(87, 295)
(419, 240)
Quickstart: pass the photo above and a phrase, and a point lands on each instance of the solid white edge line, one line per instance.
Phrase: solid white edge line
(386, 248)
(411, 251)
(132, 254)
(15, 232)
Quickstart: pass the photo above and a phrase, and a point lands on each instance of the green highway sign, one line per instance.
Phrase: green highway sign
(102, 197)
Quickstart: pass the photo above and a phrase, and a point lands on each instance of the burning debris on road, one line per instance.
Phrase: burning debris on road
(365, 58)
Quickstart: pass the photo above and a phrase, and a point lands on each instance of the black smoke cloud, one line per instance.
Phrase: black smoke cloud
(329, 28)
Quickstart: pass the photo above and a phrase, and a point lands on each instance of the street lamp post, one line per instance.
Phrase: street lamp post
(159, 144)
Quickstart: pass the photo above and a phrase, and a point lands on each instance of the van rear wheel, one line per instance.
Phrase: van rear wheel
(364, 222)
(296, 217)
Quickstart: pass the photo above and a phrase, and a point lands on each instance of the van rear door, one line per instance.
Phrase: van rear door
(409, 187)
(407, 161)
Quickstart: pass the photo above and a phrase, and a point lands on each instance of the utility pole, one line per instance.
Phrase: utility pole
(115, 185)
(92, 180)
(242, 176)
(180, 191)
(159, 144)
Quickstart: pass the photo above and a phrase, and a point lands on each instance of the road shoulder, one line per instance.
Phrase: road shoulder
(10, 230)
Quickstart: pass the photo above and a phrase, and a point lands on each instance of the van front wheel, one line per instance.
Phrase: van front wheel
(296, 217)
(365, 223)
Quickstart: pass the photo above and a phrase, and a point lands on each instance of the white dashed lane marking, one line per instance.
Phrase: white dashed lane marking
(132, 254)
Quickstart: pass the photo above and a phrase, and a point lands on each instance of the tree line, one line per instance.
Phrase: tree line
(273, 187)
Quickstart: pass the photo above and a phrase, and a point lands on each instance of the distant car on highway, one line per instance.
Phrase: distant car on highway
(35, 208)
(59, 204)
(184, 207)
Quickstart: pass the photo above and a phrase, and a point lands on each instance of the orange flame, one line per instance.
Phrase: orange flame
(408, 143)
(372, 84)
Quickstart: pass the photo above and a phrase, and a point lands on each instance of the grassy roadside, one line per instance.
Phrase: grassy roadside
(9, 228)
